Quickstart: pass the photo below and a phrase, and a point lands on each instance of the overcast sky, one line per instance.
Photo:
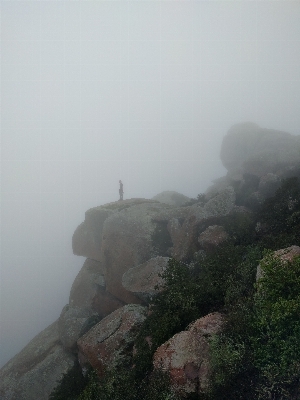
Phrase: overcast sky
(143, 91)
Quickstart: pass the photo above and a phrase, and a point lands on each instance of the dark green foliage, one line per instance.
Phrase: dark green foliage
(201, 200)
(244, 191)
(277, 210)
(276, 343)
(280, 217)
(260, 346)
(190, 293)
(161, 239)
(123, 384)
(71, 385)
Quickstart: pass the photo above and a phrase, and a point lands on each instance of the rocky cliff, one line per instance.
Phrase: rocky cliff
(127, 245)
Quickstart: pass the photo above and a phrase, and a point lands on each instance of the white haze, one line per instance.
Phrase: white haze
(143, 91)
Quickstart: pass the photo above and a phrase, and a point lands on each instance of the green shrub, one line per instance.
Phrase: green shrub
(276, 345)
(71, 384)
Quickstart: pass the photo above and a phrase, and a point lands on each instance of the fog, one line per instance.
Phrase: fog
(143, 91)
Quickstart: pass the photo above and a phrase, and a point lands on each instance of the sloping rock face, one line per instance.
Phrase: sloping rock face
(172, 198)
(35, 371)
(186, 355)
(110, 342)
(144, 280)
(86, 284)
(258, 151)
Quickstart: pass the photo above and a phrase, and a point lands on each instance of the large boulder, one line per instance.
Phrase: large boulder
(258, 151)
(186, 355)
(109, 343)
(172, 198)
(89, 292)
(35, 371)
(145, 280)
(128, 241)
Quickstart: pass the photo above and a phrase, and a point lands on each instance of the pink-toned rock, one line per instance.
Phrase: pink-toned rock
(144, 280)
(212, 237)
(186, 355)
(127, 242)
(106, 345)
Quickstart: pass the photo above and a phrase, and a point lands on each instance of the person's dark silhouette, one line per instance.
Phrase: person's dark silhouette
(121, 190)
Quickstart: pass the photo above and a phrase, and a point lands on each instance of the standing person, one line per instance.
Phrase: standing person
(121, 190)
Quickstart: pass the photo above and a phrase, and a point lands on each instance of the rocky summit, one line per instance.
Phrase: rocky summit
(145, 260)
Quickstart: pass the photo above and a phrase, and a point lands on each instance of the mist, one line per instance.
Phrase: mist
(143, 91)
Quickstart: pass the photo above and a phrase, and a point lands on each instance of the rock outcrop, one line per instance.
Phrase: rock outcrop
(109, 343)
(184, 235)
(145, 280)
(34, 372)
(258, 151)
(186, 355)
(172, 198)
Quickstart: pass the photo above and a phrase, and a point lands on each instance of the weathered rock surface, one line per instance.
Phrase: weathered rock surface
(35, 371)
(109, 342)
(186, 355)
(70, 324)
(128, 242)
(172, 198)
(258, 151)
(212, 237)
(144, 280)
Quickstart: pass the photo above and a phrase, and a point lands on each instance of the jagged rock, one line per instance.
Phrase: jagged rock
(108, 343)
(268, 184)
(172, 198)
(249, 148)
(128, 241)
(212, 237)
(34, 372)
(287, 254)
(145, 280)
(186, 355)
